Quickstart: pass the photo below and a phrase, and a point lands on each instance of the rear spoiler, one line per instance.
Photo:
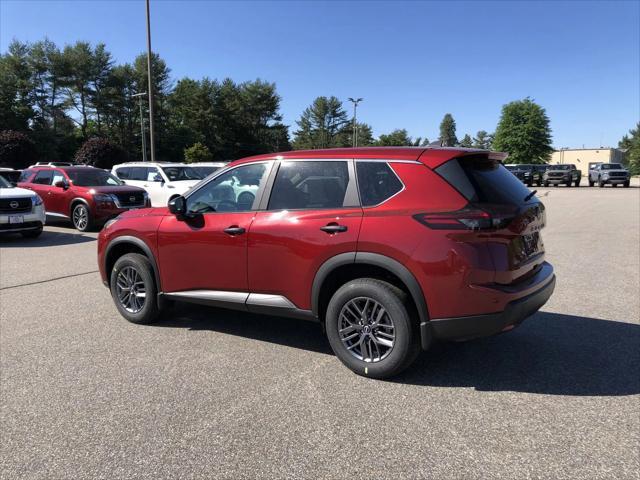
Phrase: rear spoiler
(500, 156)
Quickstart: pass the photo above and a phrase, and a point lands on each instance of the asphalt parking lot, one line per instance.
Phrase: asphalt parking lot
(210, 393)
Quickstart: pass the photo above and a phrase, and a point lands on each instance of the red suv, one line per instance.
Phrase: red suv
(87, 196)
(388, 249)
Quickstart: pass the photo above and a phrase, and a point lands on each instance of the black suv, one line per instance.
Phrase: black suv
(565, 173)
(529, 174)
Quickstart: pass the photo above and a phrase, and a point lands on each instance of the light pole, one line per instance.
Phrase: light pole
(151, 136)
(144, 140)
(355, 124)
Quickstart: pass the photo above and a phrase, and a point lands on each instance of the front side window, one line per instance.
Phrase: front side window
(153, 175)
(177, 174)
(310, 185)
(138, 174)
(57, 177)
(233, 191)
(43, 177)
(377, 182)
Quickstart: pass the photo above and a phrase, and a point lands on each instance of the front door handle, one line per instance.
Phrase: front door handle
(334, 228)
(234, 230)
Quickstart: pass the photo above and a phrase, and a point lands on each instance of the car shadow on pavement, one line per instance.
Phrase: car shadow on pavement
(46, 239)
(550, 353)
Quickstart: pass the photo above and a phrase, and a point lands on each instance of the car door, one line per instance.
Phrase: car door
(59, 197)
(312, 214)
(206, 251)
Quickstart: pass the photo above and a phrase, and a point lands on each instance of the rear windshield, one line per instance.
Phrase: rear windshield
(481, 180)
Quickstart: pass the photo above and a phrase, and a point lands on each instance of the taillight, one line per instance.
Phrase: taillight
(470, 218)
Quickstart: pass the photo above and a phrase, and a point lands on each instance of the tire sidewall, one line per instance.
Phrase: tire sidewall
(394, 305)
(149, 311)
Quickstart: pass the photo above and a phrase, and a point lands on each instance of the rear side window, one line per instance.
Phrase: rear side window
(43, 177)
(481, 180)
(377, 182)
(310, 185)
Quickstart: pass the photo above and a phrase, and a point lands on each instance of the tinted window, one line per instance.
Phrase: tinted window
(153, 175)
(176, 174)
(308, 184)
(25, 175)
(123, 172)
(233, 191)
(138, 173)
(57, 177)
(481, 180)
(611, 166)
(43, 177)
(377, 182)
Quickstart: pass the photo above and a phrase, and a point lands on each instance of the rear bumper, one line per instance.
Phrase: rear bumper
(476, 326)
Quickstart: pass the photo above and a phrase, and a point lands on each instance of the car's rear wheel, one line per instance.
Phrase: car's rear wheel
(81, 217)
(370, 328)
(591, 184)
(133, 288)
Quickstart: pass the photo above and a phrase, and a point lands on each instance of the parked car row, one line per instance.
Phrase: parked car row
(568, 174)
(88, 196)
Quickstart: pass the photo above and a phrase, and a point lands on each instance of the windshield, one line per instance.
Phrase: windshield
(560, 167)
(176, 174)
(611, 166)
(93, 178)
(4, 183)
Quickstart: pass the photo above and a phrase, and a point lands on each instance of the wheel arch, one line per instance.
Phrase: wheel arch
(76, 201)
(328, 277)
(127, 244)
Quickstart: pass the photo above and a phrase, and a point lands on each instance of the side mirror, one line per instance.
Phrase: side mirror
(178, 206)
(61, 184)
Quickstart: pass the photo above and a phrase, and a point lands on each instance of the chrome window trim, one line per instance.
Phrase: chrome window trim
(256, 299)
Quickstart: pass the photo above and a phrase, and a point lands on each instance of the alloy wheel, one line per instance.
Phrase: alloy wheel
(130, 289)
(80, 217)
(366, 329)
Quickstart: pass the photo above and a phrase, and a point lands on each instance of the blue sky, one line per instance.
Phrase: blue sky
(411, 61)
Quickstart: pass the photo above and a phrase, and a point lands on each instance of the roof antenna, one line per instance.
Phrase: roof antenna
(437, 143)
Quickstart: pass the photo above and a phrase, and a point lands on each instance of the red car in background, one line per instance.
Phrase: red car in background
(388, 249)
(87, 196)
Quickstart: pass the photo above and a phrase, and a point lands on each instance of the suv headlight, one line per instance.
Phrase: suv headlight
(103, 198)
(108, 223)
(36, 200)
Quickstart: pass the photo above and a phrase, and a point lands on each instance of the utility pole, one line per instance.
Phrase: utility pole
(144, 140)
(151, 129)
(355, 124)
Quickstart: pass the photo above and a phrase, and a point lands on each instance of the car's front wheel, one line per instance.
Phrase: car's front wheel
(600, 183)
(81, 217)
(370, 328)
(133, 288)
(626, 184)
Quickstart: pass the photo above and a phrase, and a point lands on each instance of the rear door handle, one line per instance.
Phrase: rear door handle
(234, 230)
(334, 228)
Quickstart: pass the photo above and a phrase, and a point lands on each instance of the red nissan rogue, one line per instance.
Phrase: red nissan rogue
(389, 249)
(87, 196)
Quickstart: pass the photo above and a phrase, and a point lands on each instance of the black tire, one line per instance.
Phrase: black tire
(626, 184)
(148, 311)
(81, 217)
(405, 347)
(591, 184)
(32, 233)
(546, 184)
(577, 184)
(614, 185)
(600, 183)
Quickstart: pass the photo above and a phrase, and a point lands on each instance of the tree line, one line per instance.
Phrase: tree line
(76, 104)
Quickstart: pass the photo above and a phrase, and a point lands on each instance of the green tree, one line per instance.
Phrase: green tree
(397, 138)
(524, 132)
(101, 153)
(631, 143)
(197, 153)
(448, 131)
(483, 140)
(466, 141)
(17, 150)
(16, 93)
(321, 125)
